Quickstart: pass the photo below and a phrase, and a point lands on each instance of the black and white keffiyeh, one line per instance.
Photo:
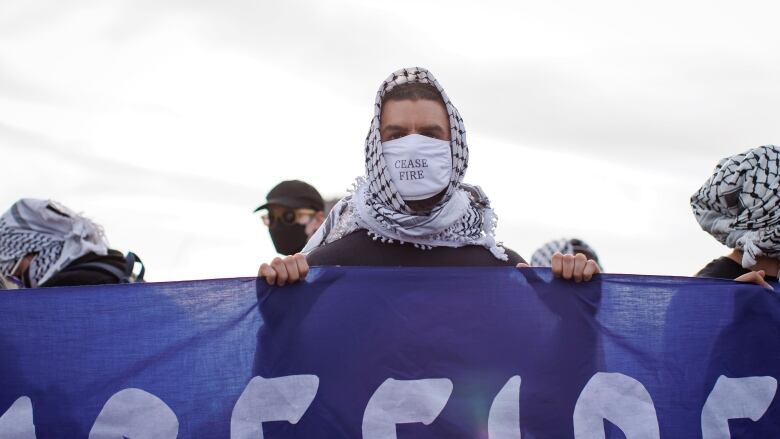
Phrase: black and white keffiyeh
(462, 217)
(52, 232)
(739, 203)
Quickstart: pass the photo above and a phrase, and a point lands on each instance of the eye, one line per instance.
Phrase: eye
(392, 136)
(288, 217)
(434, 134)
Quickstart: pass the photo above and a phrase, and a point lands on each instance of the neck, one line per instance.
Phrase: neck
(770, 266)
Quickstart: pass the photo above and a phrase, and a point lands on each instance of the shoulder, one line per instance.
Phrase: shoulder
(722, 268)
(356, 248)
(334, 252)
(514, 257)
(91, 269)
(360, 249)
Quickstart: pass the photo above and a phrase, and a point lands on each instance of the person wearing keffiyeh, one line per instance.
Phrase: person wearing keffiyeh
(412, 207)
(739, 205)
(45, 244)
(44, 237)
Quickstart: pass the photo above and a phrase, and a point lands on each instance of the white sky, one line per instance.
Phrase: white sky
(168, 121)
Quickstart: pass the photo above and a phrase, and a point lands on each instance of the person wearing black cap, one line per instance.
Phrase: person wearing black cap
(294, 212)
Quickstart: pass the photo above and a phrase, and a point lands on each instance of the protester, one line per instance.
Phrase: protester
(294, 212)
(412, 208)
(542, 257)
(45, 244)
(739, 205)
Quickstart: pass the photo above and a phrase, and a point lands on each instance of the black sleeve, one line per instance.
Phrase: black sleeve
(358, 249)
(722, 268)
(514, 258)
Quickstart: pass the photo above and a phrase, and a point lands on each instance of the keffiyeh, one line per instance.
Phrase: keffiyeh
(738, 204)
(52, 232)
(462, 217)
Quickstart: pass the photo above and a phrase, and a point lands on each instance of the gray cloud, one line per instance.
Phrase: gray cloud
(666, 86)
(644, 89)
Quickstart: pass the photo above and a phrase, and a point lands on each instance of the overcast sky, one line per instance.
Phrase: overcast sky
(168, 121)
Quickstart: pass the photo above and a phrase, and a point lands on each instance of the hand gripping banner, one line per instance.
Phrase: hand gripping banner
(385, 353)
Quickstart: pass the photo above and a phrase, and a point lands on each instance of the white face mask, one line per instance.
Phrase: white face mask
(419, 166)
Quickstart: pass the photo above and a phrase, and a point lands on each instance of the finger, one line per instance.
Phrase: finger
(556, 264)
(568, 266)
(755, 277)
(292, 269)
(765, 284)
(761, 280)
(303, 265)
(281, 271)
(268, 273)
(750, 277)
(580, 261)
(747, 277)
(591, 268)
(522, 265)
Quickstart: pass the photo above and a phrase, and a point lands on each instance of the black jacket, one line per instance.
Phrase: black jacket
(726, 268)
(358, 248)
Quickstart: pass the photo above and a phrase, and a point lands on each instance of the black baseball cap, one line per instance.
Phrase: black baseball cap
(295, 194)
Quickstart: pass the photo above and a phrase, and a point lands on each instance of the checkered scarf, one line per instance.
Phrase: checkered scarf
(462, 217)
(55, 234)
(740, 203)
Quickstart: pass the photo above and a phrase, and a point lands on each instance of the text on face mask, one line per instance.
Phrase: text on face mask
(411, 164)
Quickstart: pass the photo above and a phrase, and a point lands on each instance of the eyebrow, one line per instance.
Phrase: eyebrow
(394, 127)
(437, 128)
(433, 127)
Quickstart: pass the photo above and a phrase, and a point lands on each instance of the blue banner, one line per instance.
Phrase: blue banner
(381, 353)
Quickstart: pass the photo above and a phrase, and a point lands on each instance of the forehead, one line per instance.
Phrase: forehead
(409, 112)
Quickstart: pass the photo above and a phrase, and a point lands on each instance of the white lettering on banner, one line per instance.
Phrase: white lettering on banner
(734, 398)
(271, 399)
(504, 417)
(619, 399)
(134, 413)
(17, 421)
(402, 402)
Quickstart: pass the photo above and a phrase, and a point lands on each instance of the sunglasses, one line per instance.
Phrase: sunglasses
(287, 216)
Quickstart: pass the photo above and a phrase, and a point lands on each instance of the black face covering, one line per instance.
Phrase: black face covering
(288, 239)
